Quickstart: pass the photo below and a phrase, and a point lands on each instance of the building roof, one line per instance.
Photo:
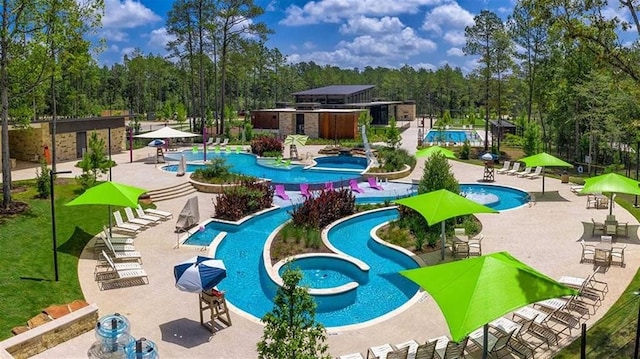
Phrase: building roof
(504, 123)
(335, 90)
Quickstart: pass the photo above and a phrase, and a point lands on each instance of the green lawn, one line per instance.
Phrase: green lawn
(26, 255)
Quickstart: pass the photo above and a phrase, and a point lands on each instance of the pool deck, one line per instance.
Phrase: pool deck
(544, 234)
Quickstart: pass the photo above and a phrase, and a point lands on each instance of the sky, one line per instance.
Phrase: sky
(344, 33)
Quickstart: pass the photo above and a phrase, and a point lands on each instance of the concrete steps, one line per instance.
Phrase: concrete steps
(177, 191)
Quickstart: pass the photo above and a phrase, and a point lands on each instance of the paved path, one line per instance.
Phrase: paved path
(543, 235)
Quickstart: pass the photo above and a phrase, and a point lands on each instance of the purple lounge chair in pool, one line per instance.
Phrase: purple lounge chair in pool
(373, 184)
(354, 186)
(328, 186)
(304, 190)
(281, 193)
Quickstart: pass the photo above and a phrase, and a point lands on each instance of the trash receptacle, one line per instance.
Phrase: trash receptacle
(564, 178)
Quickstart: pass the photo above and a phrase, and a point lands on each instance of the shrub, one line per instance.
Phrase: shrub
(216, 168)
(329, 206)
(262, 144)
(512, 140)
(464, 152)
(43, 180)
(392, 160)
(240, 201)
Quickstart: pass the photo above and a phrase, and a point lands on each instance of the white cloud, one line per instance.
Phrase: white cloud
(451, 16)
(114, 35)
(308, 45)
(159, 38)
(114, 48)
(425, 65)
(384, 50)
(455, 51)
(368, 25)
(127, 51)
(127, 14)
(455, 37)
(332, 11)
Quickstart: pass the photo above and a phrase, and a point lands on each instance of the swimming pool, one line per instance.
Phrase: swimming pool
(354, 163)
(248, 164)
(497, 197)
(249, 288)
(445, 136)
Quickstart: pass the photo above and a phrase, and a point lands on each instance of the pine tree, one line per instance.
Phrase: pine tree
(290, 328)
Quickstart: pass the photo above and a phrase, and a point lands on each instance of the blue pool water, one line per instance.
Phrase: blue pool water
(248, 287)
(203, 237)
(445, 136)
(507, 197)
(247, 164)
(325, 272)
(342, 162)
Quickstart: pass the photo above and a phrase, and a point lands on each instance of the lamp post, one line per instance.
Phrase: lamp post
(52, 175)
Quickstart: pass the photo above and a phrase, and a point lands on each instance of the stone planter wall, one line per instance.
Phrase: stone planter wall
(390, 175)
(214, 188)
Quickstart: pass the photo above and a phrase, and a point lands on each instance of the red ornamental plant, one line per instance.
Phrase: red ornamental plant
(240, 201)
(329, 206)
(262, 144)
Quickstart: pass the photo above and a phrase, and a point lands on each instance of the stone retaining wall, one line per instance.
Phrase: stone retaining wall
(50, 334)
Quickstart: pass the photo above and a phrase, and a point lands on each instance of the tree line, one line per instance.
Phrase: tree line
(565, 69)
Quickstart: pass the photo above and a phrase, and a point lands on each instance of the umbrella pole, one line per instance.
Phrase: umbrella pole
(444, 239)
(485, 340)
(542, 180)
(611, 205)
(109, 209)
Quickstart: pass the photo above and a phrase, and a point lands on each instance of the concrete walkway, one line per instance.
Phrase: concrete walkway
(543, 234)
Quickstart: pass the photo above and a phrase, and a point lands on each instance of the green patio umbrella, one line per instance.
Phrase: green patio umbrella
(438, 206)
(543, 160)
(473, 292)
(109, 194)
(428, 151)
(611, 183)
(296, 140)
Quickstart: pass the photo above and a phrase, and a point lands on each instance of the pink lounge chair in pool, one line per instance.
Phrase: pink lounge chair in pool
(328, 186)
(354, 186)
(281, 193)
(304, 190)
(373, 184)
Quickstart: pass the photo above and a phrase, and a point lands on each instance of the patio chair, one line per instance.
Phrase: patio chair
(534, 174)
(122, 254)
(426, 350)
(118, 247)
(373, 183)
(412, 348)
(461, 250)
(597, 226)
(107, 263)
(328, 186)
(617, 255)
(496, 342)
(398, 353)
(505, 168)
(115, 240)
(379, 351)
(280, 192)
(606, 239)
(351, 356)
(156, 212)
(225, 142)
(514, 170)
(446, 348)
(475, 245)
(131, 218)
(539, 325)
(304, 190)
(354, 186)
(524, 173)
(588, 251)
(602, 258)
(125, 227)
(519, 345)
(577, 189)
(121, 277)
(147, 217)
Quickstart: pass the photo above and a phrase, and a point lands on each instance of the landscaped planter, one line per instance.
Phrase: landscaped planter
(390, 175)
(216, 188)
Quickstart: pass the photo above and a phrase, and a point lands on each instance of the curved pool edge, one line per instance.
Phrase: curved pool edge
(402, 250)
(316, 291)
(503, 186)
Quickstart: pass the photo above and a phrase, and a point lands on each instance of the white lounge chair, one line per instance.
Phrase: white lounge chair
(379, 351)
(126, 227)
(131, 218)
(514, 170)
(524, 173)
(505, 168)
(109, 264)
(225, 142)
(534, 174)
(149, 217)
(115, 278)
(156, 212)
(115, 240)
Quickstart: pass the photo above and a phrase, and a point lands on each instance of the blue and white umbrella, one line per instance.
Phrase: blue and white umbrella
(156, 143)
(199, 273)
